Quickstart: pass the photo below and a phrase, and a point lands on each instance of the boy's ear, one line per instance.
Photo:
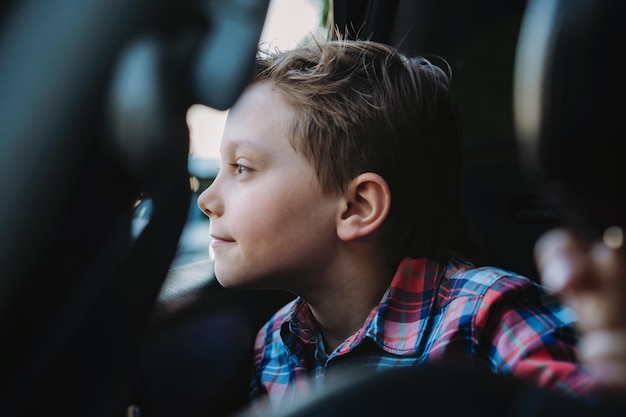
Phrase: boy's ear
(365, 206)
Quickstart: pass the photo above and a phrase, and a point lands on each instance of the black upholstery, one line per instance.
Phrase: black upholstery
(569, 108)
(196, 355)
(92, 116)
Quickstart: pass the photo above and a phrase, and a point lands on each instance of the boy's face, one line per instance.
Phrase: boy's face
(271, 224)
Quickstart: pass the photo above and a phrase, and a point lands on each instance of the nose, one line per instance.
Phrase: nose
(209, 201)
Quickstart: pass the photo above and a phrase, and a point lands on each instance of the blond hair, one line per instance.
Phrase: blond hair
(362, 106)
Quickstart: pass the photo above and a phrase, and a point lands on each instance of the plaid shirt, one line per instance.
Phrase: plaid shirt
(430, 313)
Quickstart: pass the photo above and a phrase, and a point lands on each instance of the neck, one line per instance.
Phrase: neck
(343, 306)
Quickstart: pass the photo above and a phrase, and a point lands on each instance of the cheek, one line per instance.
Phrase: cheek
(287, 218)
(307, 229)
(270, 218)
(281, 209)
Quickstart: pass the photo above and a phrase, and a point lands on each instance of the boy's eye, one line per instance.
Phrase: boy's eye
(240, 169)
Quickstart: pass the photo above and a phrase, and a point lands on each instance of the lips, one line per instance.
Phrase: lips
(219, 240)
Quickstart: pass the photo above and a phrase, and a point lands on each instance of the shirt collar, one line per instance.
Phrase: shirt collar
(403, 314)
(396, 324)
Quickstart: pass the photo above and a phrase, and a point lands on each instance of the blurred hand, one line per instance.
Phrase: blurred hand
(591, 279)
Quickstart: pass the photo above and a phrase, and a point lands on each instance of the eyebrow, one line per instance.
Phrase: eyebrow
(244, 143)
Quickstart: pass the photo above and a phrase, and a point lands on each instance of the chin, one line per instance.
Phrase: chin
(225, 282)
(228, 280)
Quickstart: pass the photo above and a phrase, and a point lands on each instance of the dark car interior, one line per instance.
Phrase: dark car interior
(92, 117)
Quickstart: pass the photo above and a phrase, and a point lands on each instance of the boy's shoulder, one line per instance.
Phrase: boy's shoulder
(490, 289)
(478, 281)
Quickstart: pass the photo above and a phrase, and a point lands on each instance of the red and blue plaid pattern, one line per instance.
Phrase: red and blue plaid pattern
(431, 313)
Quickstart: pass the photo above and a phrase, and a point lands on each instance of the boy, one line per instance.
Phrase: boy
(339, 182)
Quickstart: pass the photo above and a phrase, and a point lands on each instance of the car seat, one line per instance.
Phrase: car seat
(92, 112)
